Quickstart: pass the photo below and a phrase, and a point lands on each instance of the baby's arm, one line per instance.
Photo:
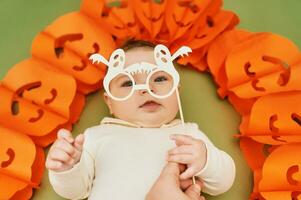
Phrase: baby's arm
(215, 167)
(71, 169)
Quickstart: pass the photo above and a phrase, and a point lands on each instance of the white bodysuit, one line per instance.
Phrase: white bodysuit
(120, 160)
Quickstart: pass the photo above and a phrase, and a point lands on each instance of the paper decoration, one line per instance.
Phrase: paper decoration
(68, 43)
(163, 67)
(258, 73)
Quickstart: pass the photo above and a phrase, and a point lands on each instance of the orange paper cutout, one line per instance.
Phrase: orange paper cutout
(281, 173)
(181, 15)
(68, 43)
(270, 123)
(118, 17)
(257, 57)
(16, 159)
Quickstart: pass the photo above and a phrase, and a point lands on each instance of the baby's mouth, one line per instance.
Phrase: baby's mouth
(150, 104)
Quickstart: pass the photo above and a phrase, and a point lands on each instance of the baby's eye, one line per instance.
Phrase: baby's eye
(160, 79)
(127, 84)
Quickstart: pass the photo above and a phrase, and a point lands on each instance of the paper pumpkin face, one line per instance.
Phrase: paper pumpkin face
(272, 124)
(219, 50)
(117, 16)
(282, 182)
(42, 84)
(211, 23)
(164, 67)
(68, 43)
(181, 15)
(16, 159)
(212, 26)
(263, 59)
(49, 90)
(31, 118)
(151, 14)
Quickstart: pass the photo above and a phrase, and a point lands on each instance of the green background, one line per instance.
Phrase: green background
(21, 20)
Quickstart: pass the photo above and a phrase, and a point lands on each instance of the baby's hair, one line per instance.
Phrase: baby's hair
(131, 44)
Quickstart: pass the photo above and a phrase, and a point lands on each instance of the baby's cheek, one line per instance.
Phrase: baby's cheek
(173, 101)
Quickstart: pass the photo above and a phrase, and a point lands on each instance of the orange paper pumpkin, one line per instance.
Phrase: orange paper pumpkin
(151, 14)
(17, 155)
(270, 123)
(182, 14)
(219, 50)
(211, 23)
(262, 64)
(68, 43)
(118, 17)
(281, 174)
(31, 119)
(42, 84)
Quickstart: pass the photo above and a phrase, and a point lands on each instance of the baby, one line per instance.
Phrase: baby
(122, 157)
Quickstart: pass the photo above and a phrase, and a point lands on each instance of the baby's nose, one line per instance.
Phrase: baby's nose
(143, 91)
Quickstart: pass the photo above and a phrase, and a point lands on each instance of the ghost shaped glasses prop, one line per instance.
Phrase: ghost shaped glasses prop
(162, 78)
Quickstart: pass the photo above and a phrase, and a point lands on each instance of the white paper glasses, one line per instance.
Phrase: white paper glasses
(158, 83)
(121, 82)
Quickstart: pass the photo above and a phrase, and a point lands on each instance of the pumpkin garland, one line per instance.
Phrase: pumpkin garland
(259, 73)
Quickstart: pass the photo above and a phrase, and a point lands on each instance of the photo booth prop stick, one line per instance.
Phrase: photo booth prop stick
(162, 78)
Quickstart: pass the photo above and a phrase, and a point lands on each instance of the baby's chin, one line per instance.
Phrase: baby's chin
(154, 121)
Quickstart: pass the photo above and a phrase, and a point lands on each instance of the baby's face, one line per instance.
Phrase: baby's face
(142, 108)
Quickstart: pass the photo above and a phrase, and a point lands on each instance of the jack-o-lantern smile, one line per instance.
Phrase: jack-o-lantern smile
(180, 23)
(153, 19)
(28, 87)
(11, 156)
(59, 48)
(121, 5)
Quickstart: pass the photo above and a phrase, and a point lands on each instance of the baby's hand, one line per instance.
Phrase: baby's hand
(189, 151)
(65, 151)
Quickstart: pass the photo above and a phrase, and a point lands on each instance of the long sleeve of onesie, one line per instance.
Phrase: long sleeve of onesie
(218, 173)
(75, 183)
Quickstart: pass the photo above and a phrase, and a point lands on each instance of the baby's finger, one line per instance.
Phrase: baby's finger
(65, 146)
(183, 149)
(66, 135)
(188, 173)
(60, 155)
(180, 158)
(182, 139)
(78, 142)
(53, 165)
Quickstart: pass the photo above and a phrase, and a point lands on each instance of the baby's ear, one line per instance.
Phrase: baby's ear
(108, 101)
(106, 98)
(179, 86)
